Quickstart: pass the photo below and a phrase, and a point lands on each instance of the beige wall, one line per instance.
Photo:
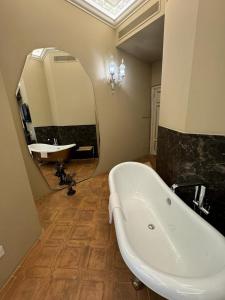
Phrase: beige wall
(206, 109)
(178, 48)
(19, 225)
(70, 90)
(193, 79)
(34, 91)
(56, 23)
(156, 72)
(58, 93)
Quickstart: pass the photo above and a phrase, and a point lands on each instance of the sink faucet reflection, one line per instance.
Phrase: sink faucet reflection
(55, 141)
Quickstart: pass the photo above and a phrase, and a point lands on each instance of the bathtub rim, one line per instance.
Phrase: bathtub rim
(62, 148)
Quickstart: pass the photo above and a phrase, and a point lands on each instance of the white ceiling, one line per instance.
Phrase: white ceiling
(111, 11)
(147, 44)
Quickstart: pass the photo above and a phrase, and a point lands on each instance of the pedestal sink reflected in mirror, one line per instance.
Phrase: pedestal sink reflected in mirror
(57, 108)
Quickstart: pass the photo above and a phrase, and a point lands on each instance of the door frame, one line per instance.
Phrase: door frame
(155, 104)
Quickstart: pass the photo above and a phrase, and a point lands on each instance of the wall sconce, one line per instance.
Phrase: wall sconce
(116, 75)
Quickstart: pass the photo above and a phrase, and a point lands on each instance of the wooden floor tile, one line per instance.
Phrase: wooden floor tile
(91, 290)
(124, 291)
(82, 232)
(85, 216)
(62, 289)
(102, 234)
(59, 232)
(65, 273)
(38, 272)
(118, 262)
(97, 259)
(70, 257)
(67, 214)
(46, 257)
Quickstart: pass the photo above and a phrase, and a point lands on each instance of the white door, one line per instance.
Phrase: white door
(155, 106)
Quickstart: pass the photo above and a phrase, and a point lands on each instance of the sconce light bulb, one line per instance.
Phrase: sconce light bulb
(116, 74)
(112, 68)
(122, 69)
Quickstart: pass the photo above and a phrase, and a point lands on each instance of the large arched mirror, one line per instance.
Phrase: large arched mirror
(57, 108)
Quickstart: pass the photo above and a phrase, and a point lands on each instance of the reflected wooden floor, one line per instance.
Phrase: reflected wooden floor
(82, 168)
(77, 256)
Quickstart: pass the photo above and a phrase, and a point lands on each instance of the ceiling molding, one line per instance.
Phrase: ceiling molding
(107, 17)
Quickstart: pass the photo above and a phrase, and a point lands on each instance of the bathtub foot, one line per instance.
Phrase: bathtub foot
(63, 179)
(71, 191)
(59, 169)
(71, 182)
(137, 284)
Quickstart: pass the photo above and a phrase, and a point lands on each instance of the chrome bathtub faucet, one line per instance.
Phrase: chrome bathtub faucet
(199, 199)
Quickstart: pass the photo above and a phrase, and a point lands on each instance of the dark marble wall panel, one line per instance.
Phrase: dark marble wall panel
(46, 133)
(183, 158)
(82, 135)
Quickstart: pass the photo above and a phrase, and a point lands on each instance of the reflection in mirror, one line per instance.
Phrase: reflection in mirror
(57, 109)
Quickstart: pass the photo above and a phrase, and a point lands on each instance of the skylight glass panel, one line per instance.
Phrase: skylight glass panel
(38, 53)
(41, 52)
(112, 8)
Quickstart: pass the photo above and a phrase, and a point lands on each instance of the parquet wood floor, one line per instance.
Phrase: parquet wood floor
(77, 257)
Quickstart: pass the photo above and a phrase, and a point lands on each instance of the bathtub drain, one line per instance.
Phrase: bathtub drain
(151, 226)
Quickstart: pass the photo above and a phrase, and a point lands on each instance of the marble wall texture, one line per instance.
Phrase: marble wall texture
(184, 158)
(82, 135)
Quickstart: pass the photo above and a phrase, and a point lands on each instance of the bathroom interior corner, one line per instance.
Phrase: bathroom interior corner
(87, 89)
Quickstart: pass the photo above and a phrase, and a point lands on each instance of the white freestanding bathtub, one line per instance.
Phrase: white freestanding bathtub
(46, 148)
(46, 152)
(166, 245)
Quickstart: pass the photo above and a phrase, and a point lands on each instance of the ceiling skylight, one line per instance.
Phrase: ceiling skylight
(111, 11)
(112, 8)
(41, 52)
(38, 53)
